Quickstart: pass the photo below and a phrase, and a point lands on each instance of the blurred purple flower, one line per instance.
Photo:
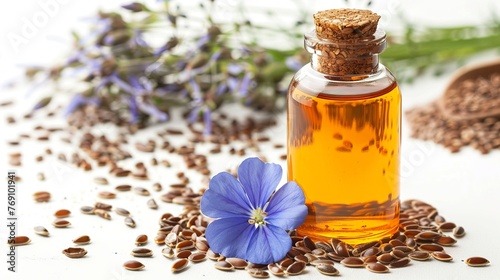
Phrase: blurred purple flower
(207, 118)
(221, 89)
(252, 217)
(245, 84)
(79, 100)
(153, 111)
(138, 39)
(233, 83)
(134, 110)
(234, 69)
(293, 63)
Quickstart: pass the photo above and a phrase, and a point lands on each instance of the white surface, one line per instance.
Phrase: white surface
(465, 187)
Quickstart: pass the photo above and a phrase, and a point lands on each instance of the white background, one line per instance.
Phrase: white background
(465, 187)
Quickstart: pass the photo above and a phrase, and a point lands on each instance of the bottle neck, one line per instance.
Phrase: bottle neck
(350, 59)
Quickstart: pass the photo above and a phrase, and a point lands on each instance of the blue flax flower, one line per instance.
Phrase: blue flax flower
(251, 216)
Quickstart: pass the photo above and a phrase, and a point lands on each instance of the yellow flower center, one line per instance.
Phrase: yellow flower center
(258, 216)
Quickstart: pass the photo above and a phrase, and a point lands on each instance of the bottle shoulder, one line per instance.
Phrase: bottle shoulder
(311, 81)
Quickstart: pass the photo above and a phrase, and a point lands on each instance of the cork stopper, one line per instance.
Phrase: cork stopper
(345, 42)
(343, 24)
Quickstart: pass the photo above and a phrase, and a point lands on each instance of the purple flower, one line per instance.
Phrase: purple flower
(293, 63)
(251, 216)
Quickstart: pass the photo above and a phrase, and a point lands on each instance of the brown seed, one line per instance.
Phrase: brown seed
(439, 219)
(373, 251)
(141, 252)
(157, 187)
(106, 195)
(427, 235)
(133, 265)
(102, 213)
(320, 262)
(61, 223)
(258, 273)
(447, 226)
(202, 245)
(411, 233)
(385, 258)
(123, 188)
(141, 191)
(256, 266)
(41, 196)
(309, 243)
(129, 222)
(275, 269)
(410, 242)
(285, 263)
(197, 257)
(101, 180)
(319, 252)
(62, 213)
(237, 263)
(82, 240)
(352, 262)
(295, 268)
(141, 240)
(377, 268)
(324, 246)
(399, 263)
(183, 254)
(328, 269)
(87, 210)
(334, 257)
(445, 241)
(74, 253)
(370, 259)
(419, 255)
(441, 256)
(477, 261)
(168, 252)
(41, 231)
(184, 245)
(180, 265)
(223, 265)
(398, 254)
(103, 206)
(431, 248)
(458, 232)
(151, 203)
(19, 240)
(396, 242)
(386, 248)
(212, 255)
(178, 186)
(171, 239)
(301, 258)
(122, 212)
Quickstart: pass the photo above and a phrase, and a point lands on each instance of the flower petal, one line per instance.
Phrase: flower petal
(230, 236)
(286, 209)
(268, 244)
(225, 198)
(259, 180)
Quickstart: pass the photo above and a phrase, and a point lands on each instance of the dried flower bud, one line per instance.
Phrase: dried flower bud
(108, 66)
(135, 7)
(172, 43)
(214, 31)
(116, 38)
(42, 103)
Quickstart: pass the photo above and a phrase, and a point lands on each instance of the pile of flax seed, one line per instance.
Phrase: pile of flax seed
(451, 127)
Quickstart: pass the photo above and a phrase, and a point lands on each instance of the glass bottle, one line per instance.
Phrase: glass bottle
(344, 117)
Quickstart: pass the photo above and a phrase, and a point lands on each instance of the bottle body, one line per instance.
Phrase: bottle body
(344, 151)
